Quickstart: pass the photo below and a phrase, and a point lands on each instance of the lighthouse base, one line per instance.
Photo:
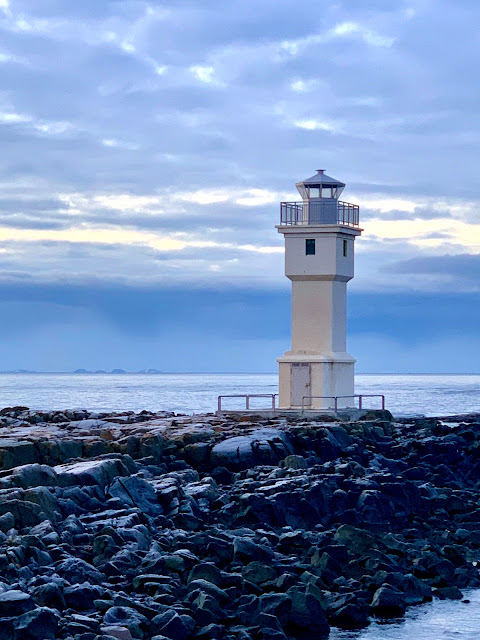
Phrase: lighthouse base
(312, 382)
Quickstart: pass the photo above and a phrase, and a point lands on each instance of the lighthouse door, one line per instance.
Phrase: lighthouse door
(300, 384)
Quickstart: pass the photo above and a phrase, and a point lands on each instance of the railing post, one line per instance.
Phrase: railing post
(383, 403)
(219, 404)
(273, 401)
(247, 402)
(360, 398)
(336, 403)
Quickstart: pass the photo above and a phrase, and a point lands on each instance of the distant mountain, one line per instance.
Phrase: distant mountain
(118, 371)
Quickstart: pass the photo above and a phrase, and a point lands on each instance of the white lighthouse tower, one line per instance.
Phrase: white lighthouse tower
(319, 238)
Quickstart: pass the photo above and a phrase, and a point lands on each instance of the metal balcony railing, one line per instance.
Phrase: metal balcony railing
(247, 396)
(314, 213)
(306, 400)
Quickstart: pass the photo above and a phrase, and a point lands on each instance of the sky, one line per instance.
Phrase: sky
(145, 147)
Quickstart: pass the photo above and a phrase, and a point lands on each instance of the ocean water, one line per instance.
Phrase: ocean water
(438, 620)
(197, 393)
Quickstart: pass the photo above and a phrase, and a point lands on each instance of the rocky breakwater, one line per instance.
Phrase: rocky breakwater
(121, 526)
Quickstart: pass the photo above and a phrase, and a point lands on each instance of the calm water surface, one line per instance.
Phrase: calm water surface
(197, 393)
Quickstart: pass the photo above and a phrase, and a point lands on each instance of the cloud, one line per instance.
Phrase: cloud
(462, 271)
(150, 144)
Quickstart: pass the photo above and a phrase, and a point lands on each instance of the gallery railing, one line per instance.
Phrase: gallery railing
(321, 212)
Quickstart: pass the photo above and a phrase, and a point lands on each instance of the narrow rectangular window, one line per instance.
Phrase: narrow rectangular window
(310, 247)
(345, 248)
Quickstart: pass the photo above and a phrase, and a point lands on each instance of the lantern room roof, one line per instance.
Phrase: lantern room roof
(321, 178)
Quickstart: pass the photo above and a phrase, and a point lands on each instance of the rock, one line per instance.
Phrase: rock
(117, 632)
(33, 475)
(40, 624)
(350, 616)
(245, 550)
(126, 617)
(448, 593)
(14, 603)
(81, 597)
(173, 626)
(278, 605)
(203, 585)
(294, 462)
(7, 521)
(263, 446)
(49, 595)
(15, 453)
(90, 472)
(357, 540)
(307, 614)
(258, 573)
(76, 571)
(208, 572)
(136, 492)
(388, 602)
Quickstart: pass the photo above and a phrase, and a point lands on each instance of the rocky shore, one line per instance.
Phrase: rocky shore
(159, 526)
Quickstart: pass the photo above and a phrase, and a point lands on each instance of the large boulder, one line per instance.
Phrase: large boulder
(90, 472)
(136, 492)
(265, 446)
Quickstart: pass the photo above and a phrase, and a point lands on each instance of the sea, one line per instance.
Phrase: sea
(405, 395)
(190, 393)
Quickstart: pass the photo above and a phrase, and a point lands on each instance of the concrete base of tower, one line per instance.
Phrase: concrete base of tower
(312, 381)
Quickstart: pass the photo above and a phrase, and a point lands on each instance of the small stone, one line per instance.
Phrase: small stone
(120, 633)
(295, 462)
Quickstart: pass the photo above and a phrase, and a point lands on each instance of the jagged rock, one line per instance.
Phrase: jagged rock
(173, 626)
(76, 571)
(40, 624)
(388, 602)
(136, 492)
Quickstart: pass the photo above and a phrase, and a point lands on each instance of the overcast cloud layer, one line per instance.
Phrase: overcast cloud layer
(145, 147)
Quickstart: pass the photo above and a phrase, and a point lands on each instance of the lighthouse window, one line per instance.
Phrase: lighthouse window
(345, 248)
(310, 247)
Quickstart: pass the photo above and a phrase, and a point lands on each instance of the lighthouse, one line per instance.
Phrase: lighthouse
(320, 234)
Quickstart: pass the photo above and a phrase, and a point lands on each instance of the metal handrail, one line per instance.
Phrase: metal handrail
(247, 397)
(337, 398)
(312, 213)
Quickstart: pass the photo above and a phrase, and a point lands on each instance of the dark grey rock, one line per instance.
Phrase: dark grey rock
(76, 571)
(14, 603)
(173, 626)
(306, 613)
(136, 492)
(388, 602)
(40, 624)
